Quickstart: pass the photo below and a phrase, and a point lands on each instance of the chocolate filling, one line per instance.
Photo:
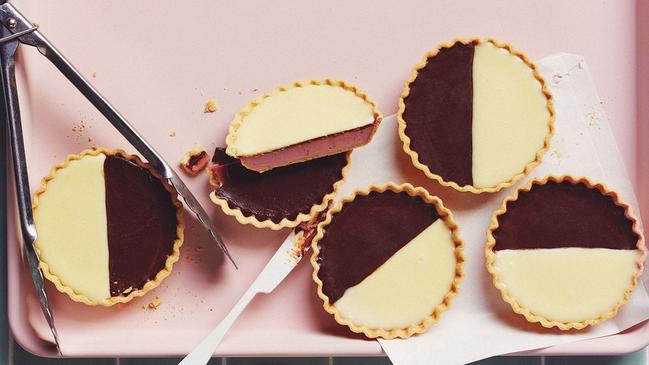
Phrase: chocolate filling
(193, 160)
(142, 224)
(365, 234)
(563, 214)
(439, 113)
(222, 158)
(283, 192)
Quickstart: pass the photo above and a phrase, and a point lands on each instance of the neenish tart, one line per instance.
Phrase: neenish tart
(109, 229)
(475, 115)
(300, 122)
(279, 198)
(565, 252)
(388, 261)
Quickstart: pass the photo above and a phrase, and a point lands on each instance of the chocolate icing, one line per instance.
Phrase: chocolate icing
(439, 112)
(222, 158)
(562, 214)
(142, 224)
(365, 234)
(194, 159)
(282, 192)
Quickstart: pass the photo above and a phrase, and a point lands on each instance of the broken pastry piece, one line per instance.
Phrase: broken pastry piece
(301, 122)
(195, 160)
(210, 106)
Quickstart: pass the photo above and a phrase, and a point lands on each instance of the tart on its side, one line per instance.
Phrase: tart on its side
(565, 252)
(475, 115)
(387, 261)
(109, 229)
(279, 198)
(301, 122)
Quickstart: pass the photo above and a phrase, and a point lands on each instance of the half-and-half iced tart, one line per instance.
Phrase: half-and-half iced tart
(300, 122)
(565, 252)
(282, 197)
(388, 261)
(109, 229)
(475, 115)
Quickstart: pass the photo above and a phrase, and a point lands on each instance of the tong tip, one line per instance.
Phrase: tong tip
(224, 249)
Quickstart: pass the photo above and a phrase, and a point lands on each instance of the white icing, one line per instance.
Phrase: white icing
(71, 226)
(298, 115)
(408, 286)
(510, 115)
(567, 284)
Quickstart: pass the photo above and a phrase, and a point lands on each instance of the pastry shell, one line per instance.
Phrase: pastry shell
(171, 259)
(285, 222)
(534, 318)
(414, 156)
(239, 117)
(390, 333)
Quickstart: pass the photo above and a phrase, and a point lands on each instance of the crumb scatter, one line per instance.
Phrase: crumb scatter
(154, 304)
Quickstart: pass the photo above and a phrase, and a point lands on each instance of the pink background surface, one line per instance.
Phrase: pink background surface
(159, 61)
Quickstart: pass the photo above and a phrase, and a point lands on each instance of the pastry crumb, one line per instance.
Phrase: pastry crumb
(195, 160)
(154, 304)
(130, 289)
(592, 119)
(172, 134)
(211, 106)
(94, 74)
(556, 153)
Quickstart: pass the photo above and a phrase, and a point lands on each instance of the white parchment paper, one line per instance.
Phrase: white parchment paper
(479, 324)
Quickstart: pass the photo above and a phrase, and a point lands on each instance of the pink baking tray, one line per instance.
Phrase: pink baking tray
(159, 61)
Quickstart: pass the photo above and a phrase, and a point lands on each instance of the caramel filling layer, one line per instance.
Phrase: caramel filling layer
(323, 146)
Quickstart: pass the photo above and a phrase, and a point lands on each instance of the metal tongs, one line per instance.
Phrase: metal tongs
(16, 28)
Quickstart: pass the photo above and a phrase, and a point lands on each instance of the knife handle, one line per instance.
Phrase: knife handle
(202, 353)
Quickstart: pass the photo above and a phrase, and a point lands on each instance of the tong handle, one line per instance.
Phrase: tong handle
(21, 176)
(33, 37)
(17, 144)
(102, 104)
